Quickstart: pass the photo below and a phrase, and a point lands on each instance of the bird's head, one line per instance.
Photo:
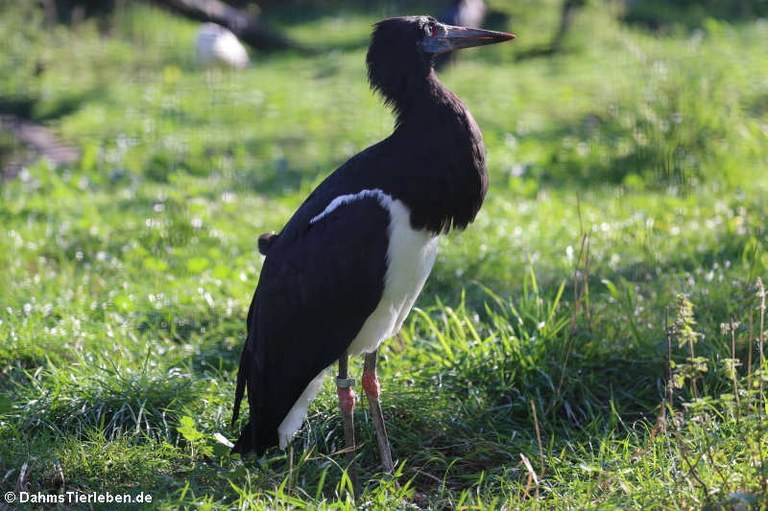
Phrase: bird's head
(402, 50)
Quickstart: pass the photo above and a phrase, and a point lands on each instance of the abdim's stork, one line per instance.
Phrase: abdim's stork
(344, 272)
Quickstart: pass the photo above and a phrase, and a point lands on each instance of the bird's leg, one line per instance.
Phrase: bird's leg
(372, 390)
(346, 394)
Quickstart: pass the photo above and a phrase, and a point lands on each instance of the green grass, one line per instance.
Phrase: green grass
(552, 361)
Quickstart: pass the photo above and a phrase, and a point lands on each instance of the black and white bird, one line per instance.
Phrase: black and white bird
(344, 272)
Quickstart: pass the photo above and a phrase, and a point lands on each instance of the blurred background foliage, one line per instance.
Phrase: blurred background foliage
(657, 121)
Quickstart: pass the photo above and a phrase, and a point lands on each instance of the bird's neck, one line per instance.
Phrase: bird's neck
(427, 101)
(436, 129)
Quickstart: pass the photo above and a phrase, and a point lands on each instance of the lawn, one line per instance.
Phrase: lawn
(595, 340)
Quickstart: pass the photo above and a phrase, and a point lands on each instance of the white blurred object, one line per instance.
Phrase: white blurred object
(464, 13)
(217, 46)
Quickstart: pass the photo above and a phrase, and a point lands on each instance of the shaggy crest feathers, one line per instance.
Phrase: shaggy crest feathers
(396, 64)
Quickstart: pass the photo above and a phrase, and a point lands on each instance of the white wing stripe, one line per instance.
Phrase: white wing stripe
(342, 200)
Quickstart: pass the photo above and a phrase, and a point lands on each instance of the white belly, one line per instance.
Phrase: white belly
(410, 257)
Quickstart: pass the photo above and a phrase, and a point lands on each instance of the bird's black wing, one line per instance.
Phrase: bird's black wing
(319, 283)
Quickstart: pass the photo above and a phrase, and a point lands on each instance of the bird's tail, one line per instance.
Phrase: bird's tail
(244, 444)
(242, 378)
(259, 433)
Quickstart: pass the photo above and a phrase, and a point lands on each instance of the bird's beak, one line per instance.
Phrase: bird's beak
(450, 38)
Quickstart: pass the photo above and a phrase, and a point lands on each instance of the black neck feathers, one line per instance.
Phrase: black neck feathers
(445, 179)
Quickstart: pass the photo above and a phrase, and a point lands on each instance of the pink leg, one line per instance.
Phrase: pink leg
(372, 390)
(347, 404)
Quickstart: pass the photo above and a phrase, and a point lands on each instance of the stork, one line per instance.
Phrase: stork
(344, 272)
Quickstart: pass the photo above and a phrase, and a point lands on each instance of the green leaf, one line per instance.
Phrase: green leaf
(188, 430)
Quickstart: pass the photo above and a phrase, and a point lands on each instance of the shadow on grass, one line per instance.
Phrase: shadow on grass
(116, 403)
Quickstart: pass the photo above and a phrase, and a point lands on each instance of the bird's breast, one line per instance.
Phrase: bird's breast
(410, 257)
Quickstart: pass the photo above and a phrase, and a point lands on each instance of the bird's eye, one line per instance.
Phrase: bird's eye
(432, 30)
